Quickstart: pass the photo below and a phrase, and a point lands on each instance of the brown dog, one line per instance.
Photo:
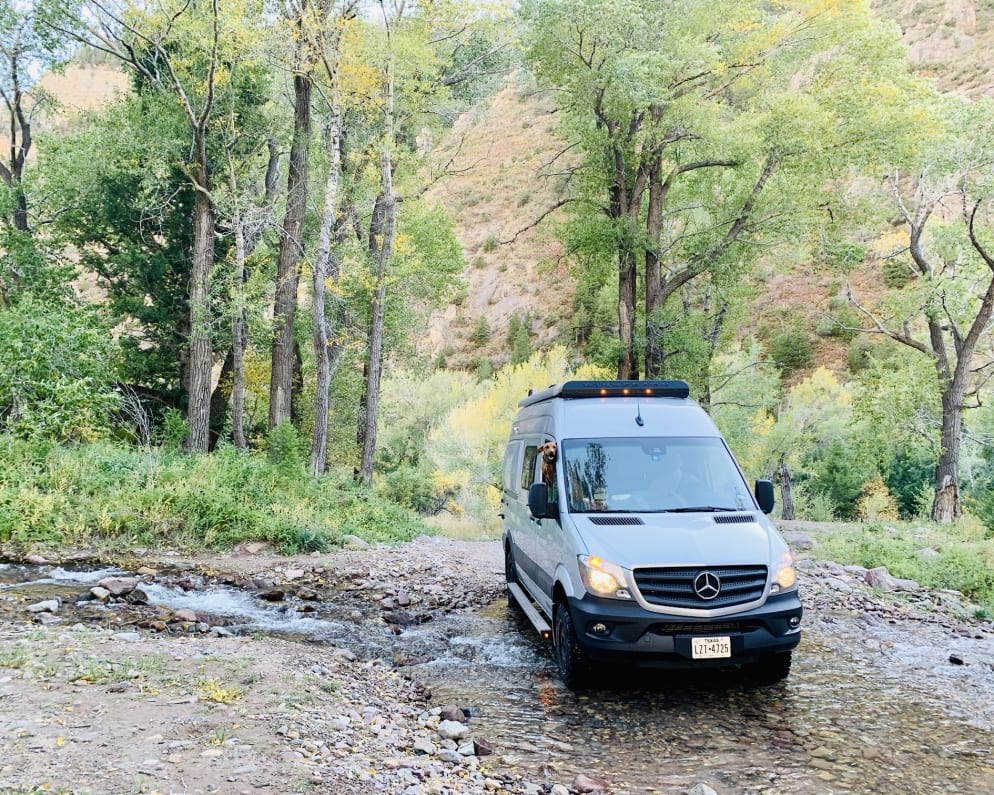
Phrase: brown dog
(549, 452)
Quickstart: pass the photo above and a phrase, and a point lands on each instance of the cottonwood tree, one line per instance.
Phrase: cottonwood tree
(27, 49)
(183, 49)
(944, 200)
(702, 131)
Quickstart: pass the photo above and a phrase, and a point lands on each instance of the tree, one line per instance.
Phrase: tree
(27, 48)
(944, 197)
(701, 131)
(184, 50)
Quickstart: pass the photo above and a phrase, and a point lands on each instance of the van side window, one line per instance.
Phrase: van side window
(510, 467)
(528, 466)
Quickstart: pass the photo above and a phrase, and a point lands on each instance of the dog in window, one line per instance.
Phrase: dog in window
(549, 451)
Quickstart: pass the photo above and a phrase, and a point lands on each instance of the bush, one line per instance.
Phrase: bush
(57, 372)
(791, 349)
(106, 494)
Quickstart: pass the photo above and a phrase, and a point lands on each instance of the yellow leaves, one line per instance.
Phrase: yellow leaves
(211, 690)
(889, 242)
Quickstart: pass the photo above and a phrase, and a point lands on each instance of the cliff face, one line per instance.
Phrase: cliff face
(948, 40)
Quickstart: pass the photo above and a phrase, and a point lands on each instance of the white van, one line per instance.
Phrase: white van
(631, 534)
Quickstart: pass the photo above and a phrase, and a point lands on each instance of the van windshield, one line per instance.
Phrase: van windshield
(644, 475)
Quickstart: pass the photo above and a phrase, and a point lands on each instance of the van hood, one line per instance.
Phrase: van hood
(659, 539)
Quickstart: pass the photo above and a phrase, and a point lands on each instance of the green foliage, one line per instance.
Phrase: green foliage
(106, 494)
(838, 472)
(285, 449)
(965, 561)
(174, 429)
(792, 349)
(467, 446)
(519, 338)
(57, 371)
(481, 332)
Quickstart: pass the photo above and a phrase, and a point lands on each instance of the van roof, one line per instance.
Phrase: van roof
(588, 389)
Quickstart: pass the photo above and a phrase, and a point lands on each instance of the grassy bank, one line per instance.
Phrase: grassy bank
(957, 556)
(104, 494)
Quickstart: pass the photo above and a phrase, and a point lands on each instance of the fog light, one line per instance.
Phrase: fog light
(795, 622)
(599, 628)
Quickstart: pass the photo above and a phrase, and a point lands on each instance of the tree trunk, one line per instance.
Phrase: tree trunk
(324, 269)
(201, 354)
(239, 339)
(291, 248)
(946, 506)
(786, 495)
(220, 398)
(653, 273)
(627, 366)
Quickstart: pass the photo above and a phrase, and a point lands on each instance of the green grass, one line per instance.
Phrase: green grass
(965, 560)
(106, 494)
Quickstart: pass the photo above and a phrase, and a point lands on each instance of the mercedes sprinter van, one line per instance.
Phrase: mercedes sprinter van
(631, 535)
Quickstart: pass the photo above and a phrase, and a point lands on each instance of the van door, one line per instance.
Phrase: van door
(520, 524)
(548, 534)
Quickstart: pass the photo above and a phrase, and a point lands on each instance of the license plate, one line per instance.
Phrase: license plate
(710, 648)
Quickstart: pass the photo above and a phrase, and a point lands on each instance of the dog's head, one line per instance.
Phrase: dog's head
(548, 451)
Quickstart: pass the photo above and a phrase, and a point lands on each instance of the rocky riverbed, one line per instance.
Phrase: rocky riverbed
(106, 689)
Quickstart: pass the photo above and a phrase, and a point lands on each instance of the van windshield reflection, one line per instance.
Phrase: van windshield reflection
(653, 475)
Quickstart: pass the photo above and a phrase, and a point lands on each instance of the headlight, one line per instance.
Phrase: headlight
(785, 576)
(602, 578)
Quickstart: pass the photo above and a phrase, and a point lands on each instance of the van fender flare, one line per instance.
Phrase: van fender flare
(570, 585)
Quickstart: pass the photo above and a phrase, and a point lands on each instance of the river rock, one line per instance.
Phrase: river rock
(99, 593)
(700, 788)
(450, 756)
(422, 745)
(35, 560)
(559, 789)
(272, 595)
(354, 542)
(452, 712)
(138, 597)
(797, 540)
(119, 586)
(46, 606)
(883, 579)
(184, 614)
(584, 784)
(483, 747)
(452, 729)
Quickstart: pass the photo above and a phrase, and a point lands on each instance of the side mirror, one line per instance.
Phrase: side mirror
(764, 495)
(538, 500)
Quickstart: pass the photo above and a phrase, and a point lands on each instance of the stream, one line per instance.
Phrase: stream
(868, 707)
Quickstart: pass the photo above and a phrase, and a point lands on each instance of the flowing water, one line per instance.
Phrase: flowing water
(873, 711)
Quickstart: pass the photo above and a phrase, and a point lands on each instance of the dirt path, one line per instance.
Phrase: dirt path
(892, 691)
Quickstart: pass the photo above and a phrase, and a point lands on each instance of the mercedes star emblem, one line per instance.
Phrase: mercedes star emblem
(707, 585)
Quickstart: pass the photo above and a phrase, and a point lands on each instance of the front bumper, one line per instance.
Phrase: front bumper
(652, 639)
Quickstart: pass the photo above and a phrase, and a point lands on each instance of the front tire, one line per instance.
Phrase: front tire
(574, 664)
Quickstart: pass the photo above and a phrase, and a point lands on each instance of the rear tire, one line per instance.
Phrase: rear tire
(772, 669)
(575, 666)
(510, 575)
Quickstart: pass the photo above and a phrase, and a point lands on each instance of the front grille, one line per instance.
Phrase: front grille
(698, 628)
(615, 520)
(666, 587)
(734, 518)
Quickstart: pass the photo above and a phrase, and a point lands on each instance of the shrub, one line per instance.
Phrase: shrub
(876, 503)
(57, 371)
(791, 349)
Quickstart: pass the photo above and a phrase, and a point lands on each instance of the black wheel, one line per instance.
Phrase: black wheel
(769, 670)
(510, 574)
(574, 664)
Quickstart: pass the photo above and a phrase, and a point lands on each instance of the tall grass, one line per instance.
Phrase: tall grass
(961, 557)
(106, 493)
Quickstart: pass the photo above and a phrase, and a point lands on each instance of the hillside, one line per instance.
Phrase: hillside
(504, 147)
(502, 160)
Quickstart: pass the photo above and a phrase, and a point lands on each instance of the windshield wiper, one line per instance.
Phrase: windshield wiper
(700, 509)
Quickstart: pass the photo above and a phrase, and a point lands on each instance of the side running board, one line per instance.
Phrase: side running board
(529, 609)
